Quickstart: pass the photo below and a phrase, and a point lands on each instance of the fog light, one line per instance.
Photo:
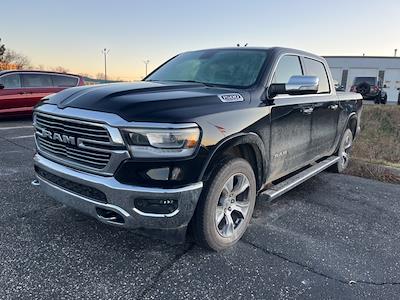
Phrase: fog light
(158, 174)
(156, 206)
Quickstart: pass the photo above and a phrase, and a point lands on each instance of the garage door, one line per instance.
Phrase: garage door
(391, 84)
(360, 73)
(337, 74)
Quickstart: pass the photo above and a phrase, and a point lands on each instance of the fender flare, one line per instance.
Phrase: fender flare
(352, 116)
(250, 138)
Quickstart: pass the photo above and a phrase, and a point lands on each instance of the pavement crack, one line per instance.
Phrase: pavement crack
(314, 271)
(156, 278)
(15, 144)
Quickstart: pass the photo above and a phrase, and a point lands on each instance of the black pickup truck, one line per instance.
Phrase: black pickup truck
(188, 149)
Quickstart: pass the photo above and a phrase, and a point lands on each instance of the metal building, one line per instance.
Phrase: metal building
(345, 68)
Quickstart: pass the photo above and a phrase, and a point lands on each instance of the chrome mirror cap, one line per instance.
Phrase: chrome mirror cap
(302, 85)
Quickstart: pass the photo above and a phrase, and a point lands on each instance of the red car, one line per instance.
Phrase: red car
(20, 90)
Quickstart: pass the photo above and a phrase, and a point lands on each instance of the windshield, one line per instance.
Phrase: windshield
(368, 80)
(234, 68)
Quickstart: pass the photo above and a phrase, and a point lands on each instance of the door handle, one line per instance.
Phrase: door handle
(333, 106)
(307, 110)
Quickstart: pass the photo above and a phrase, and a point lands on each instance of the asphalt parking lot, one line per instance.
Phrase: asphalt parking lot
(334, 237)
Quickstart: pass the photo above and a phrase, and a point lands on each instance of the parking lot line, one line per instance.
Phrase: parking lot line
(15, 127)
(21, 137)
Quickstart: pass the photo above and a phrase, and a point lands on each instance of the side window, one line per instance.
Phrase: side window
(288, 66)
(11, 81)
(36, 80)
(316, 68)
(64, 81)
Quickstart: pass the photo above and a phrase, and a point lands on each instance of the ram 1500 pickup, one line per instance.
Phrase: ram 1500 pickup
(193, 144)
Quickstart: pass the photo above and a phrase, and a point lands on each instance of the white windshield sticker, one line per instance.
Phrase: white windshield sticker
(231, 97)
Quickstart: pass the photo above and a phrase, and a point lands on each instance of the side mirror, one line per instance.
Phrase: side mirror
(1, 86)
(297, 85)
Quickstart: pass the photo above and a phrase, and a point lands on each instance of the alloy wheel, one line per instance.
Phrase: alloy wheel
(345, 154)
(233, 205)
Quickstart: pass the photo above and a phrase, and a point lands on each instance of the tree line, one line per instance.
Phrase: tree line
(10, 59)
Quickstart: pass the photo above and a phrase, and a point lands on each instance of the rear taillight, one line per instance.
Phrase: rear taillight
(353, 88)
(375, 88)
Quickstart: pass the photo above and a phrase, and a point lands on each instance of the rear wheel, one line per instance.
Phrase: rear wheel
(343, 152)
(226, 206)
(384, 99)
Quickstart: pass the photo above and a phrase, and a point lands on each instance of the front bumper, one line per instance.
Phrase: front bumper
(119, 198)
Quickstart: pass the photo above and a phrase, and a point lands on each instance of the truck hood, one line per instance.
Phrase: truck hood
(149, 101)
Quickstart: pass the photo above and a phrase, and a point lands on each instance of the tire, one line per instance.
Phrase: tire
(343, 152)
(384, 99)
(222, 215)
(363, 88)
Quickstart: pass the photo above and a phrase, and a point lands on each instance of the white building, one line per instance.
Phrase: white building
(387, 69)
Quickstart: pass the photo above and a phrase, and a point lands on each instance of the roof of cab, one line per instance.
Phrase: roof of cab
(274, 50)
(36, 71)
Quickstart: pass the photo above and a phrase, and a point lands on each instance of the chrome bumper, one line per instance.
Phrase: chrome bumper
(120, 198)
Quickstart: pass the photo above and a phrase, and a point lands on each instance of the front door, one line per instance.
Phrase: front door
(290, 135)
(291, 118)
(12, 96)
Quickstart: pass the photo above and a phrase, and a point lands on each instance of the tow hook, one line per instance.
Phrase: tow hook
(35, 182)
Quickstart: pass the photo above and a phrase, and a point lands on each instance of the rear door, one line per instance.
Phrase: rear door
(61, 82)
(291, 118)
(326, 111)
(36, 86)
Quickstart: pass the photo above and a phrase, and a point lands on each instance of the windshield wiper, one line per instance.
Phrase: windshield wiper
(188, 81)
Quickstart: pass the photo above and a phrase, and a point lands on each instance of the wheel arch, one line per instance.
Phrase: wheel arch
(246, 145)
(352, 123)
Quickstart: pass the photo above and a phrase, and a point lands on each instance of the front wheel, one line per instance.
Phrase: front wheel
(343, 152)
(227, 205)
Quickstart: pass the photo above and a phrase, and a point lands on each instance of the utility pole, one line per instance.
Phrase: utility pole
(146, 62)
(105, 52)
(395, 52)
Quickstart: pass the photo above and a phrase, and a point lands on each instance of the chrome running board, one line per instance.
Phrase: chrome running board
(290, 183)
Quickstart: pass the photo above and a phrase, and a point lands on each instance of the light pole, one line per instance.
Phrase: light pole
(146, 62)
(105, 52)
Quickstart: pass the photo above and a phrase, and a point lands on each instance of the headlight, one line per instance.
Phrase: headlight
(159, 142)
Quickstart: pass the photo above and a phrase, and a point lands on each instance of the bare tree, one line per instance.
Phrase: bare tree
(100, 76)
(60, 69)
(84, 74)
(2, 50)
(16, 60)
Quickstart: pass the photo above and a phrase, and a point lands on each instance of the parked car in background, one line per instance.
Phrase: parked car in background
(370, 88)
(338, 87)
(398, 98)
(21, 90)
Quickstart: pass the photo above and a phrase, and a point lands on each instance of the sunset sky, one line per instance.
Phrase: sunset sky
(72, 33)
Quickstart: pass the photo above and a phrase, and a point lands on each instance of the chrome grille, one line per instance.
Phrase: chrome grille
(84, 143)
